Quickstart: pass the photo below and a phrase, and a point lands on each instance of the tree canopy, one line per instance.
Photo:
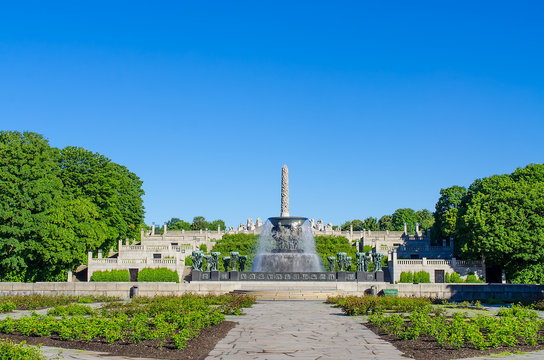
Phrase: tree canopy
(56, 205)
(502, 218)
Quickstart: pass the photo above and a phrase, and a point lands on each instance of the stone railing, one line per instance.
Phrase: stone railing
(410, 262)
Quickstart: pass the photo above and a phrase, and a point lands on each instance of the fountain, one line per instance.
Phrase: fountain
(286, 243)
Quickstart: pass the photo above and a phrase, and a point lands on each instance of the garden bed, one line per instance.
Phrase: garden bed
(196, 348)
(185, 327)
(424, 330)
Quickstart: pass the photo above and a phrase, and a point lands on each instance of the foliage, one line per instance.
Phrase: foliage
(245, 244)
(71, 310)
(445, 214)
(160, 320)
(199, 223)
(354, 305)
(422, 277)
(406, 277)
(425, 219)
(56, 205)
(410, 318)
(13, 351)
(386, 223)
(203, 248)
(111, 275)
(402, 216)
(418, 277)
(160, 274)
(31, 302)
(178, 224)
(502, 218)
(329, 245)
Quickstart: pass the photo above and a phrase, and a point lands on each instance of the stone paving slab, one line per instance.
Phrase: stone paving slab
(536, 355)
(53, 353)
(301, 330)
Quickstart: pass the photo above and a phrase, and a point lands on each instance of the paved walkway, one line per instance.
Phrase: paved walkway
(301, 330)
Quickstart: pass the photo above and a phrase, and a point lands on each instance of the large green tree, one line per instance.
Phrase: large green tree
(386, 223)
(446, 211)
(371, 223)
(115, 191)
(55, 206)
(425, 219)
(402, 216)
(29, 189)
(502, 218)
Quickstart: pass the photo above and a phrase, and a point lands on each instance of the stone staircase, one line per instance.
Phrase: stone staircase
(288, 295)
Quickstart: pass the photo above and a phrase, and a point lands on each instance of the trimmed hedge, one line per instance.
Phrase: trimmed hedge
(113, 275)
(418, 277)
(160, 274)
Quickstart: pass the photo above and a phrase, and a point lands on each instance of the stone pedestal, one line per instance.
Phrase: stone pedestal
(196, 275)
(214, 275)
(365, 276)
(234, 275)
(380, 276)
(341, 276)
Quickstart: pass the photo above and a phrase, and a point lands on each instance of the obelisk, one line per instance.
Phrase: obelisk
(284, 191)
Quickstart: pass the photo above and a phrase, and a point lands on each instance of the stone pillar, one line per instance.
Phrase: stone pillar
(142, 232)
(451, 243)
(351, 233)
(218, 229)
(284, 191)
(405, 229)
(417, 228)
(100, 253)
(424, 261)
(164, 229)
(152, 229)
(69, 279)
(119, 245)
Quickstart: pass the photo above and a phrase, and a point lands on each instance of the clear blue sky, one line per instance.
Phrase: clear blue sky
(374, 106)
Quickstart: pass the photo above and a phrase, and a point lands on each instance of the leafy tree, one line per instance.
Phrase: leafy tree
(199, 223)
(386, 223)
(502, 218)
(178, 224)
(446, 211)
(29, 190)
(114, 190)
(402, 216)
(214, 224)
(425, 219)
(245, 244)
(371, 223)
(329, 245)
(356, 223)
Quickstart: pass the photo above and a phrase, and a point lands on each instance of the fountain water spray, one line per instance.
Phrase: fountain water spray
(286, 243)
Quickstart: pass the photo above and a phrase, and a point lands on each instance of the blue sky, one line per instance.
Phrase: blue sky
(374, 106)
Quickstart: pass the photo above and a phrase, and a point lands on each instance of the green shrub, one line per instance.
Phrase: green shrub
(7, 306)
(160, 274)
(455, 278)
(422, 277)
(203, 247)
(13, 351)
(471, 278)
(406, 277)
(188, 261)
(113, 275)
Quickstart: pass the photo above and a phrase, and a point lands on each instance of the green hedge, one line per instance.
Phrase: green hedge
(456, 278)
(113, 275)
(418, 277)
(160, 274)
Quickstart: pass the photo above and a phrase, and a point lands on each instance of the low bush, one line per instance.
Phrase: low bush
(471, 278)
(31, 302)
(113, 275)
(70, 310)
(406, 277)
(13, 351)
(158, 275)
(422, 277)
(7, 306)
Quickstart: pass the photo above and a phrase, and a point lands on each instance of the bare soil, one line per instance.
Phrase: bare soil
(197, 348)
(426, 347)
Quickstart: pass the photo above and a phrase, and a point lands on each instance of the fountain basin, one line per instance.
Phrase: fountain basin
(287, 262)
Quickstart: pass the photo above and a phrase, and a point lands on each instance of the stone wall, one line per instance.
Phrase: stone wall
(458, 292)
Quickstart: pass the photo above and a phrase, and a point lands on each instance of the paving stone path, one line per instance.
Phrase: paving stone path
(301, 330)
